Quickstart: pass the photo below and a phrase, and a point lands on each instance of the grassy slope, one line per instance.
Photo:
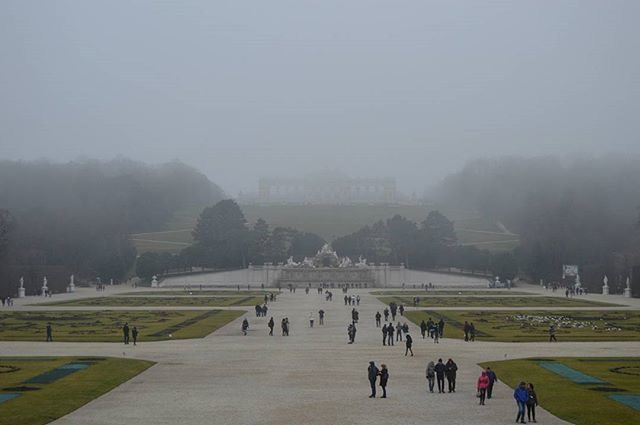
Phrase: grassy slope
(499, 326)
(423, 293)
(330, 222)
(576, 403)
(105, 326)
(61, 397)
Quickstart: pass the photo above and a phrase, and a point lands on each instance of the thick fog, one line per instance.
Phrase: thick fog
(244, 89)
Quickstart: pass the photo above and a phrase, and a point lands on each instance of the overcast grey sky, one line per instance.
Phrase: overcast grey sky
(243, 89)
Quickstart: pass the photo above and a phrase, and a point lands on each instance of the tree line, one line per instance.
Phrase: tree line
(581, 211)
(76, 217)
(224, 240)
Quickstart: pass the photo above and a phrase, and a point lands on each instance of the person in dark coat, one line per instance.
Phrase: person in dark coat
(451, 370)
(378, 317)
(125, 333)
(521, 395)
(532, 402)
(270, 325)
(384, 377)
(423, 328)
(245, 326)
(373, 373)
(386, 314)
(390, 330)
(49, 333)
(384, 334)
(440, 371)
(441, 327)
(492, 380)
(408, 344)
(134, 335)
(466, 328)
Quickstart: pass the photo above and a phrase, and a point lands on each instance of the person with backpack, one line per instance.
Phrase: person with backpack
(492, 380)
(532, 402)
(451, 370)
(521, 395)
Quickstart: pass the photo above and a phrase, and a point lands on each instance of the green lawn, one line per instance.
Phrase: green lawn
(105, 326)
(159, 301)
(581, 404)
(516, 301)
(47, 402)
(423, 293)
(229, 292)
(532, 326)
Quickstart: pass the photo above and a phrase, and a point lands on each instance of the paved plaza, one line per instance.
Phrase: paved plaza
(311, 377)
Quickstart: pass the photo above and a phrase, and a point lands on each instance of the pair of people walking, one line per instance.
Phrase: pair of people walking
(373, 373)
(125, 334)
(526, 398)
(438, 372)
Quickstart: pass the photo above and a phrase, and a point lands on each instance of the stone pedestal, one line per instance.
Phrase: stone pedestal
(605, 290)
(627, 292)
(21, 293)
(154, 282)
(71, 288)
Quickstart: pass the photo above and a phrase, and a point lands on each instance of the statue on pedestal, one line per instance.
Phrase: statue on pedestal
(45, 288)
(627, 289)
(154, 282)
(21, 290)
(362, 262)
(72, 286)
(605, 287)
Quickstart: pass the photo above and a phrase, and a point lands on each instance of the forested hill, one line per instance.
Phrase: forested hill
(573, 211)
(142, 196)
(58, 219)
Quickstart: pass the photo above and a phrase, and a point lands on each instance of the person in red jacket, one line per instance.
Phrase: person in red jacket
(483, 383)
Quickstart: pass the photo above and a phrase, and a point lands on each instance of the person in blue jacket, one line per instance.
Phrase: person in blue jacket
(521, 395)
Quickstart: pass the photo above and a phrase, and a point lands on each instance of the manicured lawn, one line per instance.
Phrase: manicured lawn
(42, 403)
(196, 291)
(496, 301)
(582, 404)
(462, 292)
(105, 326)
(159, 301)
(531, 326)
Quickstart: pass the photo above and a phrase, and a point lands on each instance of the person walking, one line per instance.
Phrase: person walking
(440, 370)
(401, 309)
(552, 333)
(378, 317)
(373, 373)
(386, 314)
(492, 380)
(521, 395)
(408, 345)
(483, 383)
(125, 333)
(441, 328)
(472, 332)
(245, 326)
(423, 328)
(384, 378)
(384, 334)
(49, 333)
(451, 371)
(134, 335)
(321, 317)
(466, 330)
(311, 319)
(399, 329)
(390, 334)
(431, 375)
(532, 402)
(270, 325)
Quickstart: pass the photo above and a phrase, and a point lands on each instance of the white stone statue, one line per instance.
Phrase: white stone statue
(578, 284)
(154, 282)
(45, 288)
(627, 289)
(72, 286)
(345, 262)
(605, 287)
(21, 290)
(291, 263)
(308, 262)
(362, 262)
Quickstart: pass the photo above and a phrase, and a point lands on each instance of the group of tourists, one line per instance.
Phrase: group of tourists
(8, 301)
(125, 334)
(469, 330)
(485, 384)
(261, 310)
(373, 373)
(352, 300)
(435, 330)
(437, 372)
